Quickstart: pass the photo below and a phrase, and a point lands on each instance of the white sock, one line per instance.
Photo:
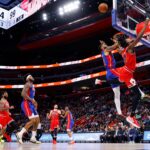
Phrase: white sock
(33, 134)
(142, 93)
(117, 99)
(71, 138)
(22, 131)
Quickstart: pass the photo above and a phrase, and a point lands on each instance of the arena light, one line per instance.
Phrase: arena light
(69, 81)
(44, 16)
(70, 7)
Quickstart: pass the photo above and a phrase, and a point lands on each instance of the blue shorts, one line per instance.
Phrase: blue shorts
(29, 109)
(70, 125)
(110, 77)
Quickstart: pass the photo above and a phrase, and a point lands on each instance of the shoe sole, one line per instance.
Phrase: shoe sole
(132, 123)
(34, 142)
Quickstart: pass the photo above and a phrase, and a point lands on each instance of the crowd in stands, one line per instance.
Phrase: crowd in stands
(97, 113)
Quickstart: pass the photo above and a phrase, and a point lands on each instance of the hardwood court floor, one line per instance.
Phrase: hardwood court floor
(77, 146)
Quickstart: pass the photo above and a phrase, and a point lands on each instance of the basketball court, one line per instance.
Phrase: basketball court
(77, 146)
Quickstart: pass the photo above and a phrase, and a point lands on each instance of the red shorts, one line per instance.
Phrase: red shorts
(54, 124)
(5, 120)
(125, 75)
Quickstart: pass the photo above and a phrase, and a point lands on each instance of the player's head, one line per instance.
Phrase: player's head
(121, 39)
(66, 108)
(102, 45)
(29, 78)
(4, 94)
(55, 106)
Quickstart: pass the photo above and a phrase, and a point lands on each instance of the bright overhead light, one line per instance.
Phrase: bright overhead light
(70, 7)
(45, 17)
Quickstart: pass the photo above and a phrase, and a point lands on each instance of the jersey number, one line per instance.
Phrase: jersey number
(2, 15)
(133, 82)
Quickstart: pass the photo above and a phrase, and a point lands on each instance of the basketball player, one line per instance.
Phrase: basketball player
(29, 107)
(70, 124)
(6, 120)
(112, 78)
(54, 122)
(110, 63)
(125, 73)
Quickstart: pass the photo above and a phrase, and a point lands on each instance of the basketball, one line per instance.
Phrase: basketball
(103, 8)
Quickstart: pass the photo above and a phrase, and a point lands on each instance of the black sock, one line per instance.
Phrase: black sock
(52, 134)
(55, 134)
(135, 100)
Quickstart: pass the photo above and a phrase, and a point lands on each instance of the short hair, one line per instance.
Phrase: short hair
(2, 93)
(121, 38)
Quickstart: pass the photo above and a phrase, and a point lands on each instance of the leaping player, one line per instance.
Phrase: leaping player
(125, 73)
(70, 124)
(29, 107)
(54, 122)
(110, 63)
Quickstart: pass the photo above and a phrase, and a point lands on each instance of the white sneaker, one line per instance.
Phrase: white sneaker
(98, 82)
(19, 138)
(33, 140)
(145, 97)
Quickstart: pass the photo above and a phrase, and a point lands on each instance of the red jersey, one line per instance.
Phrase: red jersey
(4, 104)
(129, 60)
(54, 115)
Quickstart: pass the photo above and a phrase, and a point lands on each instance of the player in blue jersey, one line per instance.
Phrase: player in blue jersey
(29, 107)
(70, 124)
(110, 65)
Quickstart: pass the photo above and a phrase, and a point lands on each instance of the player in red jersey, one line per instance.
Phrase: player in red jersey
(54, 122)
(7, 123)
(125, 73)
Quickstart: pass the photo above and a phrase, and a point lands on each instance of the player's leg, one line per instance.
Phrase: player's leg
(69, 132)
(52, 127)
(3, 125)
(52, 134)
(2, 130)
(34, 130)
(36, 122)
(55, 135)
(116, 91)
(28, 112)
(112, 78)
(11, 126)
(136, 96)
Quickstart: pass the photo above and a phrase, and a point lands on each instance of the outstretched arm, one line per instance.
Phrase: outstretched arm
(140, 35)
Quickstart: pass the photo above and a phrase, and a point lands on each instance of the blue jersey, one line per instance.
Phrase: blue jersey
(70, 121)
(27, 106)
(69, 117)
(31, 92)
(109, 61)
